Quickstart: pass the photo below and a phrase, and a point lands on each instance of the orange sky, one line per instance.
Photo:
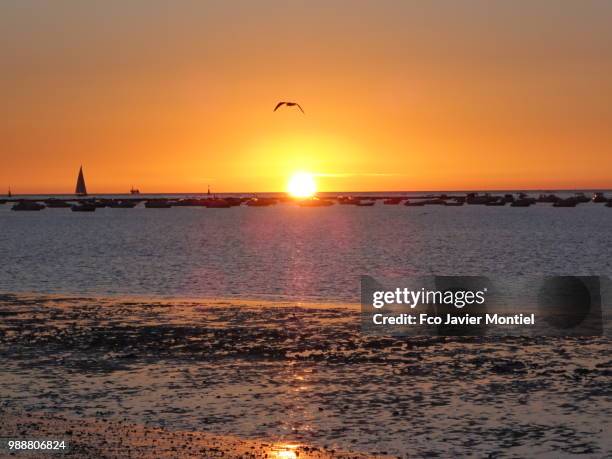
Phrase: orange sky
(173, 96)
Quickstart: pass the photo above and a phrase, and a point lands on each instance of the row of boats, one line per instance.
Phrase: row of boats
(486, 199)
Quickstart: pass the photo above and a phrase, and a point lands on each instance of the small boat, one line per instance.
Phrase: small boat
(54, 203)
(599, 197)
(548, 198)
(122, 204)
(191, 202)
(83, 207)
(157, 204)
(218, 204)
(260, 202)
(580, 197)
(414, 204)
(346, 200)
(501, 202)
(315, 202)
(476, 199)
(27, 205)
(134, 190)
(570, 202)
(365, 204)
(521, 202)
(434, 202)
(233, 202)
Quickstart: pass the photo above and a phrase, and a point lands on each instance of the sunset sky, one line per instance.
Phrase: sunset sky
(171, 96)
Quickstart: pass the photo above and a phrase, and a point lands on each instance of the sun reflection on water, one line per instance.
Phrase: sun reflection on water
(284, 451)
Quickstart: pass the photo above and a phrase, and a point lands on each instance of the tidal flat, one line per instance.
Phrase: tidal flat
(302, 374)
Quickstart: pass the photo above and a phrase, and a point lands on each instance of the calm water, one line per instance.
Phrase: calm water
(286, 251)
(276, 371)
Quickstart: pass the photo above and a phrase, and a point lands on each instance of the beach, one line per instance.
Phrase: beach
(85, 438)
(239, 374)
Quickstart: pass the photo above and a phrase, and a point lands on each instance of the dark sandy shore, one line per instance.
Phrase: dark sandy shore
(290, 374)
(99, 438)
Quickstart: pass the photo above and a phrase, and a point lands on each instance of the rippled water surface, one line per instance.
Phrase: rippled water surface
(290, 252)
(227, 361)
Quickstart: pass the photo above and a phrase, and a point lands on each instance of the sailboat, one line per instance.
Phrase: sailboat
(81, 189)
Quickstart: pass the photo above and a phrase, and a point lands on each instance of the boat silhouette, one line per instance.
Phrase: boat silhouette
(83, 207)
(27, 205)
(315, 202)
(158, 204)
(81, 189)
(54, 203)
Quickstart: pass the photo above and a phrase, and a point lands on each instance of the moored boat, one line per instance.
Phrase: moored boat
(570, 202)
(261, 202)
(158, 204)
(599, 197)
(345, 200)
(122, 204)
(434, 202)
(54, 203)
(497, 202)
(314, 202)
(580, 197)
(83, 207)
(521, 202)
(27, 206)
(218, 204)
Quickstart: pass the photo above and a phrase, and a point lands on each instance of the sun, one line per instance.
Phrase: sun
(302, 185)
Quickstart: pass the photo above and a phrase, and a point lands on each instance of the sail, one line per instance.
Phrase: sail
(81, 189)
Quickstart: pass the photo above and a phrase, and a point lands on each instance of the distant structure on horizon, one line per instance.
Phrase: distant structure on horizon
(81, 189)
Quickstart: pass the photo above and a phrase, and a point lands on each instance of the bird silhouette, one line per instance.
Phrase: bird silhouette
(288, 104)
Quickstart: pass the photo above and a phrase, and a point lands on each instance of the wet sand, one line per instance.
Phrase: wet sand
(284, 374)
(95, 438)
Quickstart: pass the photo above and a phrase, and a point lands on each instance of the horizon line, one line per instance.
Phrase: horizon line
(470, 190)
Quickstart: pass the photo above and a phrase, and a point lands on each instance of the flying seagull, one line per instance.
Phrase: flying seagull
(288, 104)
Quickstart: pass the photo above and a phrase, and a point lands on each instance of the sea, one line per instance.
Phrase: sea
(243, 321)
(290, 252)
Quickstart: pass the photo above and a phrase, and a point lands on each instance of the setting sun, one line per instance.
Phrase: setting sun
(302, 185)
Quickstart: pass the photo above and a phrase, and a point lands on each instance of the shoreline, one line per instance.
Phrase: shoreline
(183, 300)
(99, 437)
